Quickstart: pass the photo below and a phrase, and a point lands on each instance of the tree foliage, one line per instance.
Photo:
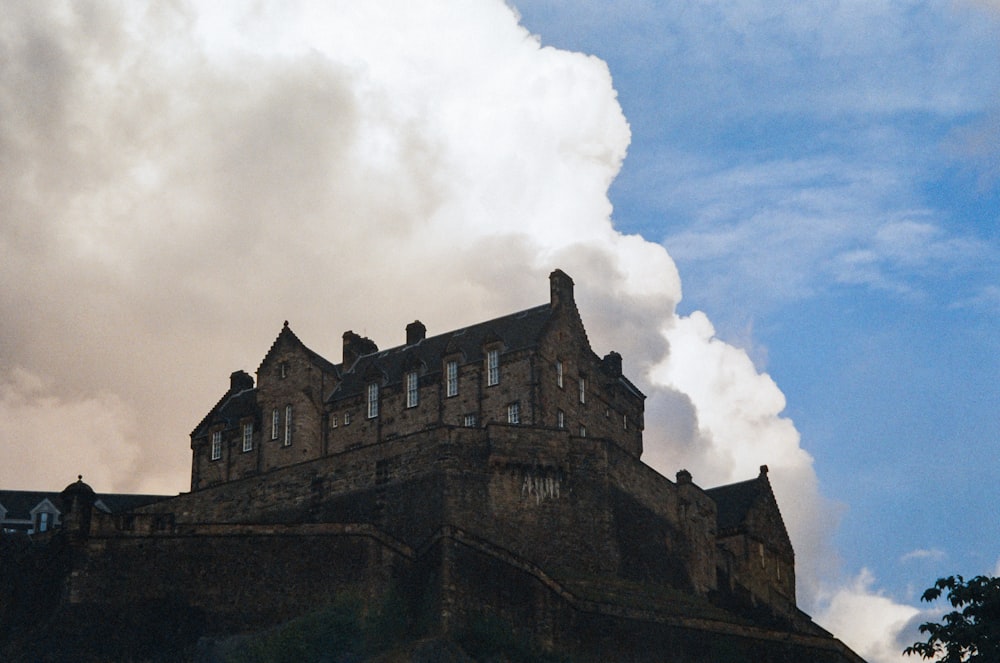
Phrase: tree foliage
(971, 632)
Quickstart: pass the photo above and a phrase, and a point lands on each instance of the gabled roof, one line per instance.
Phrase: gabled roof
(286, 335)
(228, 410)
(736, 501)
(516, 331)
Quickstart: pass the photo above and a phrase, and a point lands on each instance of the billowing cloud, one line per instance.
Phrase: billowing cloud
(178, 181)
(875, 626)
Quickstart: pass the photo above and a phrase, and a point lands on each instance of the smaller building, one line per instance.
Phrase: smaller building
(35, 512)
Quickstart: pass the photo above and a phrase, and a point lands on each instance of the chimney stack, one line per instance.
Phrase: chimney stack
(561, 289)
(355, 346)
(415, 332)
(240, 381)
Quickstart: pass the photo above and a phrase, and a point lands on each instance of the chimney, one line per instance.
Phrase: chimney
(415, 332)
(561, 289)
(683, 477)
(240, 381)
(355, 346)
(613, 364)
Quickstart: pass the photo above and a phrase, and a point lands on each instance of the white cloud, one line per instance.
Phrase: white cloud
(922, 554)
(873, 625)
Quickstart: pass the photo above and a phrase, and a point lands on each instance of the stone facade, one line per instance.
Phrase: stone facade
(490, 471)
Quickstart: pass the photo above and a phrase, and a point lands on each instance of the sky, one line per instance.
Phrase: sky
(784, 218)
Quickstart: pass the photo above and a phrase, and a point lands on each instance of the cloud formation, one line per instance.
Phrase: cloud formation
(181, 179)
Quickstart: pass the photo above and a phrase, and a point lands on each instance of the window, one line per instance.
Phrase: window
(412, 392)
(514, 413)
(347, 418)
(44, 521)
(583, 390)
(470, 421)
(216, 445)
(283, 369)
(288, 426)
(333, 421)
(559, 373)
(451, 378)
(275, 424)
(560, 419)
(625, 421)
(248, 437)
(583, 431)
(372, 400)
(492, 368)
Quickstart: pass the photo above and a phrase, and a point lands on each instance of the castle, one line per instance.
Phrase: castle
(488, 472)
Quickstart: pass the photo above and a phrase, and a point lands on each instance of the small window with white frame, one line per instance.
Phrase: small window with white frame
(217, 445)
(288, 427)
(559, 373)
(451, 378)
(560, 419)
(333, 421)
(412, 389)
(372, 400)
(469, 421)
(347, 418)
(583, 431)
(248, 436)
(275, 423)
(492, 368)
(514, 413)
(583, 389)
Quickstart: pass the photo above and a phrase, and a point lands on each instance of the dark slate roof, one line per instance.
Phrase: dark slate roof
(516, 331)
(123, 502)
(734, 502)
(19, 503)
(230, 409)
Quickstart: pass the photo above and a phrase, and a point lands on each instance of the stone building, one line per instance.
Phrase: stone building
(492, 472)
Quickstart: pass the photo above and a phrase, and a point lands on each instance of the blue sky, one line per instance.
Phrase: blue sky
(826, 179)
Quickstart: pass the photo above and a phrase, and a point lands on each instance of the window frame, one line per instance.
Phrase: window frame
(492, 367)
(372, 393)
(275, 423)
(514, 413)
(287, 442)
(215, 452)
(247, 436)
(451, 378)
(412, 380)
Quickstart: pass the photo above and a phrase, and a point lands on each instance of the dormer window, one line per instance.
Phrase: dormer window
(451, 378)
(372, 400)
(43, 521)
(248, 437)
(216, 445)
(412, 389)
(492, 368)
